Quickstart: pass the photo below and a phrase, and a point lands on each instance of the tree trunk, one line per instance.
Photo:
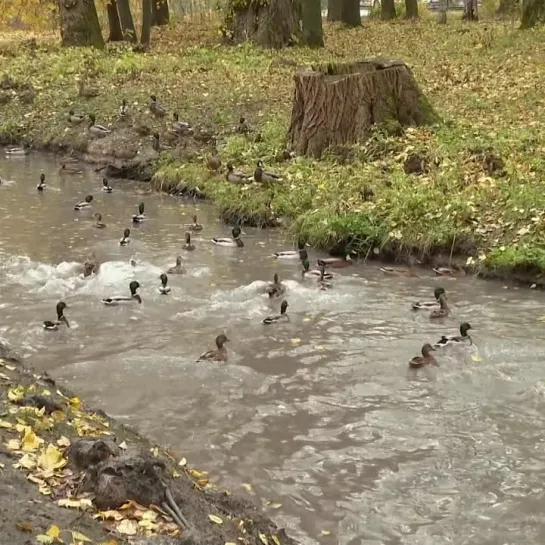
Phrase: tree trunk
(442, 17)
(125, 17)
(334, 8)
(470, 11)
(533, 13)
(350, 12)
(411, 9)
(160, 14)
(145, 37)
(79, 24)
(335, 105)
(387, 10)
(113, 22)
(311, 17)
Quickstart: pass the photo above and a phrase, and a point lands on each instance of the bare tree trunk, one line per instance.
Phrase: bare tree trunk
(470, 11)
(533, 13)
(160, 14)
(387, 10)
(113, 22)
(127, 23)
(350, 12)
(311, 18)
(411, 9)
(442, 17)
(334, 8)
(145, 37)
(79, 24)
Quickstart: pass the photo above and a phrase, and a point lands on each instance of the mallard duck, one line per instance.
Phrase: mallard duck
(84, 204)
(456, 339)
(291, 254)
(188, 245)
(116, 300)
(282, 317)
(195, 226)
(140, 217)
(425, 359)
(125, 240)
(41, 186)
(15, 151)
(214, 161)
(398, 271)
(98, 223)
(99, 131)
(262, 176)
(314, 272)
(155, 108)
(65, 169)
(123, 109)
(86, 91)
(53, 326)
(157, 145)
(219, 354)
(163, 288)
(91, 266)
(231, 242)
(106, 187)
(242, 127)
(180, 127)
(75, 119)
(336, 262)
(235, 176)
(443, 311)
(276, 289)
(419, 305)
(322, 284)
(455, 271)
(178, 268)
(132, 261)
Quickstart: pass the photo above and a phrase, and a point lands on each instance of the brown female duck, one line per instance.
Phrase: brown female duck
(220, 353)
(425, 359)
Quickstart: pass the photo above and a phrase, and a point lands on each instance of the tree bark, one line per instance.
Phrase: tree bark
(145, 37)
(350, 12)
(334, 8)
(411, 9)
(311, 18)
(387, 10)
(533, 13)
(442, 17)
(79, 24)
(113, 22)
(160, 13)
(127, 23)
(470, 11)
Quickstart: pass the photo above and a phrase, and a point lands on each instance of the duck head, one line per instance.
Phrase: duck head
(230, 167)
(175, 116)
(141, 208)
(42, 178)
(124, 102)
(221, 340)
(283, 307)
(427, 349)
(126, 233)
(194, 218)
(61, 305)
(301, 244)
(71, 112)
(92, 118)
(188, 238)
(464, 328)
(236, 232)
(438, 292)
(153, 98)
(89, 198)
(104, 182)
(164, 279)
(275, 277)
(179, 261)
(98, 216)
(260, 164)
(133, 286)
(242, 121)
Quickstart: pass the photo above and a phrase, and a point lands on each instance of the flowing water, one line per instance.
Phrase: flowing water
(320, 414)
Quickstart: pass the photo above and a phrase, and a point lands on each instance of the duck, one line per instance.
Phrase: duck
(262, 176)
(163, 288)
(180, 127)
(91, 266)
(41, 186)
(123, 109)
(195, 226)
(84, 204)
(282, 317)
(188, 245)
(230, 242)
(116, 300)
(125, 240)
(99, 131)
(398, 271)
(291, 254)
(220, 353)
(75, 119)
(214, 161)
(65, 169)
(455, 271)
(106, 187)
(98, 222)
(61, 319)
(419, 305)
(322, 284)
(16, 151)
(276, 289)
(236, 176)
(335, 262)
(456, 339)
(425, 359)
(140, 217)
(178, 268)
(155, 108)
(87, 92)
(156, 143)
(443, 311)
(314, 272)
(242, 127)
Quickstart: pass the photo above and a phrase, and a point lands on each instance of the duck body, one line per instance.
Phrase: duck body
(155, 108)
(234, 242)
(336, 262)
(443, 311)
(123, 109)
(195, 226)
(140, 217)
(98, 131)
(41, 186)
(282, 317)
(276, 289)
(463, 338)
(16, 152)
(428, 305)
(75, 119)
(398, 271)
(236, 176)
(121, 299)
(163, 288)
(262, 176)
(65, 169)
(181, 128)
(188, 246)
(322, 284)
(98, 221)
(425, 359)
(106, 187)
(449, 271)
(219, 354)
(84, 204)
(178, 268)
(61, 320)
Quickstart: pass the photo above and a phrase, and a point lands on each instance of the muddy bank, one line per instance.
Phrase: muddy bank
(70, 470)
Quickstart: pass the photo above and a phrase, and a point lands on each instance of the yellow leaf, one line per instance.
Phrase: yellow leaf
(16, 394)
(42, 538)
(275, 505)
(28, 461)
(75, 504)
(54, 532)
(76, 536)
(215, 519)
(276, 540)
(474, 357)
(264, 539)
(230, 543)
(149, 515)
(46, 392)
(9, 367)
(63, 441)
(74, 402)
(325, 532)
(307, 319)
(13, 444)
(51, 458)
(247, 487)
(109, 542)
(295, 340)
(44, 489)
(127, 527)
(31, 441)
(541, 319)
(108, 515)
(182, 462)
(123, 445)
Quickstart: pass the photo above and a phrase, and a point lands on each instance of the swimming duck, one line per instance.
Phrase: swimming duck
(157, 145)
(456, 339)
(231, 242)
(220, 354)
(443, 311)
(140, 217)
(125, 240)
(91, 266)
(65, 169)
(262, 176)
(53, 326)
(132, 261)
(455, 271)
(282, 317)
(291, 254)
(398, 271)
(84, 204)
(336, 262)
(15, 151)
(419, 305)
(155, 108)
(188, 246)
(163, 288)
(425, 359)
(276, 289)
(123, 109)
(178, 268)
(180, 127)
(322, 284)
(41, 186)
(314, 272)
(100, 131)
(195, 226)
(235, 176)
(133, 286)
(106, 187)
(242, 127)
(75, 119)
(98, 222)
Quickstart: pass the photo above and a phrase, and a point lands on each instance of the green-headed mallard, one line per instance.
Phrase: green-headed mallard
(195, 226)
(163, 288)
(335, 262)
(456, 339)
(220, 353)
(425, 359)
(16, 151)
(235, 176)
(262, 176)
(156, 143)
(98, 223)
(119, 299)
(99, 131)
(188, 245)
(276, 289)
(282, 317)
(180, 127)
(53, 326)
(140, 217)
(443, 311)
(41, 186)
(155, 108)
(419, 305)
(125, 240)
(230, 242)
(322, 284)
(455, 271)
(178, 268)
(291, 254)
(75, 119)
(123, 109)
(314, 272)
(106, 187)
(84, 204)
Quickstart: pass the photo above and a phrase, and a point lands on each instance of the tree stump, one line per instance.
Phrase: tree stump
(336, 104)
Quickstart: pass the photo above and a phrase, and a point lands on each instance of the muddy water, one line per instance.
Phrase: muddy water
(320, 414)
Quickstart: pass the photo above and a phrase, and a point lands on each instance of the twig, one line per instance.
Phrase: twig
(174, 505)
(173, 515)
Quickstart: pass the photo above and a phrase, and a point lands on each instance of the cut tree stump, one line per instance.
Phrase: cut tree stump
(337, 104)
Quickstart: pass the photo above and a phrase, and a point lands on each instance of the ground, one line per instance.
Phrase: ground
(478, 192)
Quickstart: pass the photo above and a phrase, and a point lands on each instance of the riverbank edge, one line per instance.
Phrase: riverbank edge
(215, 517)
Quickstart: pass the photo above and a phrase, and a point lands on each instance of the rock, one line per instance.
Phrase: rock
(86, 453)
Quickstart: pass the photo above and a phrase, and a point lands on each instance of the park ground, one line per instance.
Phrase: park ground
(479, 198)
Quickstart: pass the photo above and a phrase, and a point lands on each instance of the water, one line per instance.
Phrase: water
(321, 414)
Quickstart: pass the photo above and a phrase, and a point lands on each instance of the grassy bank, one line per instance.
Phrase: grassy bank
(481, 194)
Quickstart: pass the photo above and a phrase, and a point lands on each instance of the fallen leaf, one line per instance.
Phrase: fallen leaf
(63, 441)
(76, 536)
(474, 357)
(307, 319)
(54, 532)
(182, 462)
(31, 441)
(16, 394)
(325, 532)
(44, 489)
(247, 487)
(215, 519)
(5, 424)
(541, 319)
(108, 515)
(28, 461)
(81, 503)
(74, 402)
(275, 505)
(295, 340)
(24, 527)
(263, 539)
(51, 458)
(46, 540)
(9, 367)
(13, 444)
(276, 540)
(127, 527)
(230, 543)
(123, 445)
